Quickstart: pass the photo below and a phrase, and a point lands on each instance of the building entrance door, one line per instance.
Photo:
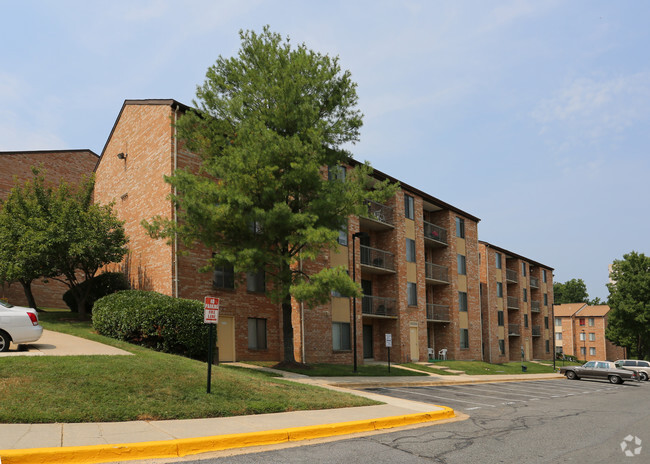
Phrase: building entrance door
(415, 345)
(367, 342)
(226, 338)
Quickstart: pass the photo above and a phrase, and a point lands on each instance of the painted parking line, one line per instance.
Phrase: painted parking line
(441, 397)
(507, 393)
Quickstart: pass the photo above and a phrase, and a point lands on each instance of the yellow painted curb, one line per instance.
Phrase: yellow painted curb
(188, 446)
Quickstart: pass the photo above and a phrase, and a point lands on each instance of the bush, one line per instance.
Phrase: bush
(172, 325)
(102, 285)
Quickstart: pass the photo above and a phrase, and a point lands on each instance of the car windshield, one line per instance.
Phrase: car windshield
(6, 305)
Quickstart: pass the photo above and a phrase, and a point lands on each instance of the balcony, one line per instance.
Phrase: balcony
(513, 330)
(511, 276)
(513, 302)
(379, 217)
(537, 331)
(376, 261)
(377, 306)
(434, 235)
(535, 306)
(435, 274)
(534, 282)
(437, 313)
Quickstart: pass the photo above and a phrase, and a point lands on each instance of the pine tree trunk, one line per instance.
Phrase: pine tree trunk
(27, 287)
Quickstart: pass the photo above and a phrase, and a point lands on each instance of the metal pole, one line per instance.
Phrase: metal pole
(210, 343)
(553, 332)
(354, 302)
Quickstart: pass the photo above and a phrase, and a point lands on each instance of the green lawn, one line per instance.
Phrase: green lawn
(424, 368)
(344, 370)
(483, 368)
(146, 386)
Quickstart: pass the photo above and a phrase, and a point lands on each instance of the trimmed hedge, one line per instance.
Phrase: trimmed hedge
(171, 325)
(102, 285)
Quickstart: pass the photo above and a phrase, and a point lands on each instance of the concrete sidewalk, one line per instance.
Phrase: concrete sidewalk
(59, 344)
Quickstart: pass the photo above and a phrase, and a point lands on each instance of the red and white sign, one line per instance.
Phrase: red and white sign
(211, 310)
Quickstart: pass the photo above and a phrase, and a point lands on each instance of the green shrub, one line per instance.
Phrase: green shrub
(172, 325)
(102, 285)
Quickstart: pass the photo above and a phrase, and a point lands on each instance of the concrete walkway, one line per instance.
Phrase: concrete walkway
(60, 344)
(123, 441)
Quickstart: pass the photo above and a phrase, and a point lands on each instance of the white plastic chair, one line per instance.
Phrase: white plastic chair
(442, 354)
(431, 353)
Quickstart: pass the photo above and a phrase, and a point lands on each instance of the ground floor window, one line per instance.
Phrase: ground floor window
(548, 346)
(256, 333)
(583, 352)
(502, 347)
(464, 338)
(340, 336)
(592, 351)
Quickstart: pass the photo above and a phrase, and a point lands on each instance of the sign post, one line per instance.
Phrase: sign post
(389, 344)
(210, 316)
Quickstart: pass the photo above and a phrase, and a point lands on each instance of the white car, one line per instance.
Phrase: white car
(18, 325)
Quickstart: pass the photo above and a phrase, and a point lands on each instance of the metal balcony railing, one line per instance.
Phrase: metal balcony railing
(513, 302)
(513, 330)
(379, 212)
(378, 306)
(534, 282)
(511, 276)
(436, 272)
(537, 331)
(438, 313)
(434, 232)
(535, 306)
(377, 258)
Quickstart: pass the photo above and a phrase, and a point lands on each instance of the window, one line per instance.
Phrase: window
(523, 269)
(592, 337)
(548, 346)
(462, 301)
(545, 299)
(462, 266)
(336, 173)
(582, 336)
(591, 321)
(409, 207)
(558, 321)
(544, 275)
(340, 336)
(343, 236)
(499, 290)
(410, 250)
(464, 338)
(583, 352)
(497, 258)
(526, 320)
(500, 319)
(546, 322)
(460, 227)
(412, 292)
(592, 351)
(256, 334)
(255, 282)
(223, 277)
(558, 335)
(525, 294)
(582, 321)
(502, 347)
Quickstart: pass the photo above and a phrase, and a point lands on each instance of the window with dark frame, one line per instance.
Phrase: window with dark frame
(256, 333)
(497, 259)
(336, 173)
(499, 290)
(525, 294)
(502, 347)
(526, 320)
(343, 236)
(412, 293)
(464, 338)
(223, 277)
(409, 207)
(340, 336)
(462, 265)
(460, 227)
(500, 319)
(255, 282)
(410, 250)
(462, 301)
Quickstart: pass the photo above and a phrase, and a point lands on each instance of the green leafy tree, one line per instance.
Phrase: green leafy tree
(629, 298)
(269, 122)
(572, 291)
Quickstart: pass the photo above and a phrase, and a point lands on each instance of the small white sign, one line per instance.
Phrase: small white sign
(389, 340)
(211, 310)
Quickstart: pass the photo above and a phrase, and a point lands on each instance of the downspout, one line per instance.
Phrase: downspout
(175, 109)
(302, 322)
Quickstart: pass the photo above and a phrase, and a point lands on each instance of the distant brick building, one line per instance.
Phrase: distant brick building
(58, 165)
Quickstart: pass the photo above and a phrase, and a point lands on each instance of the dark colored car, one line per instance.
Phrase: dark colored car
(602, 370)
(642, 367)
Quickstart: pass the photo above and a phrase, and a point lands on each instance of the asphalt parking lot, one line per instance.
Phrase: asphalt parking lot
(469, 398)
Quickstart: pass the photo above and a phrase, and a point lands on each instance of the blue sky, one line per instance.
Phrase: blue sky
(532, 115)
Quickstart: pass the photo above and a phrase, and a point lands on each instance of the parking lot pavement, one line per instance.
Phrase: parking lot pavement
(492, 395)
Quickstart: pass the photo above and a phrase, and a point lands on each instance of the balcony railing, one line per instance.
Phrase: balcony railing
(379, 212)
(379, 306)
(437, 273)
(377, 258)
(511, 276)
(537, 331)
(513, 330)
(438, 313)
(435, 233)
(513, 302)
(534, 282)
(535, 306)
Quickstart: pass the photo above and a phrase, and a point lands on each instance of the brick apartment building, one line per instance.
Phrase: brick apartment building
(58, 165)
(580, 331)
(516, 301)
(416, 257)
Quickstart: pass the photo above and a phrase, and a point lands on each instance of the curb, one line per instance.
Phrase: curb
(188, 446)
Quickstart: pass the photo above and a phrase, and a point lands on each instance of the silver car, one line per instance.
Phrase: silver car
(642, 367)
(18, 325)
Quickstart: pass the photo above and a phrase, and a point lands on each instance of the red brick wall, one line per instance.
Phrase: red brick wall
(65, 165)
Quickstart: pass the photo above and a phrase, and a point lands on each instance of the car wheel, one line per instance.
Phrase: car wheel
(615, 379)
(4, 341)
(571, 375)
(643, 376)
